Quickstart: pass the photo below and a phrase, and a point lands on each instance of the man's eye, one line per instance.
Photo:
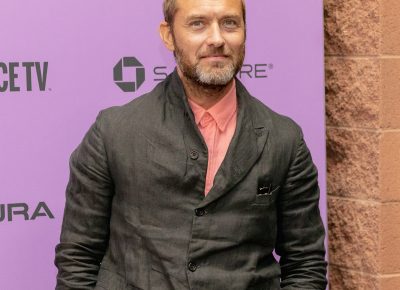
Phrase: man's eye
(197, 24)
(230, 23)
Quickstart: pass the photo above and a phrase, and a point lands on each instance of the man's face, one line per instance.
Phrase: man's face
(209, 40)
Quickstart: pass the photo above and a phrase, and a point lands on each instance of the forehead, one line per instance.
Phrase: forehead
(208, 8)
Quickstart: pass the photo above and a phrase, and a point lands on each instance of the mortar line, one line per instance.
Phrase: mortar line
(364, 200)
(354, 199)
(365, 57)
(355, 128)
(365, 273)
(378, 130)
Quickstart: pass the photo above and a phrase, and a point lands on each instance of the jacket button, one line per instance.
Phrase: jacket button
(192, 267)
(200, 211)
(194, 154)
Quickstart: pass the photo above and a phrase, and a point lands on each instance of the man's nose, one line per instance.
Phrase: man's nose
(215, 37)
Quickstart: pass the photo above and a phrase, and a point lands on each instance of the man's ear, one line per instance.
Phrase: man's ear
(166, 35)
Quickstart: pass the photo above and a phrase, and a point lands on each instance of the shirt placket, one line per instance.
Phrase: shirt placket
(209, 133)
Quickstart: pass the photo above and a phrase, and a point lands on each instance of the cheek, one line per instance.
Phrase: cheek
(190, 39)
(236, 41)
(237, 44)
(190, 46)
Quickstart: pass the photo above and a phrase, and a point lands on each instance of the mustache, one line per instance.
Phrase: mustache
(215, 52)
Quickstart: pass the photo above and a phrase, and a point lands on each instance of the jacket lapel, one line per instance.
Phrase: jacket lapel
(245, 148)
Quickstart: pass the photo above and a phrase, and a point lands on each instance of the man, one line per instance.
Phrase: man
(193, 185)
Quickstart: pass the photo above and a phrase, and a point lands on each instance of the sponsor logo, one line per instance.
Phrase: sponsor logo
(120, 76)
(160, 73)
(249, 71)
(17, 211)
(255, 71)
(24, 76)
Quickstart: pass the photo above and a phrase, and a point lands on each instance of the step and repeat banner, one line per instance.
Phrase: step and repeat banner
(61, 62)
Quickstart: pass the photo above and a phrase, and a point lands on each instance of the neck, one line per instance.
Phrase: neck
(205, 96)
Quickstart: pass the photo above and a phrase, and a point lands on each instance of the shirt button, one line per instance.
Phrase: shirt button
(200, 211)
(192, 266)
(194, 154)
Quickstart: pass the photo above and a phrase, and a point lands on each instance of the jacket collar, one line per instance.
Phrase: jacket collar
(248, 141)
(246, 146)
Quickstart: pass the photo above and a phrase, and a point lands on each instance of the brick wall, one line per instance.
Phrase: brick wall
(362, 47)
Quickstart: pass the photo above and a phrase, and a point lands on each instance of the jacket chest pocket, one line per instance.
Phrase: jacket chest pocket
(266, 194)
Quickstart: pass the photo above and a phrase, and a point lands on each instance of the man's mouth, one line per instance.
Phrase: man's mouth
(215, 57)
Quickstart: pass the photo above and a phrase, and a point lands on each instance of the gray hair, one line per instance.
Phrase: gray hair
(169, 9)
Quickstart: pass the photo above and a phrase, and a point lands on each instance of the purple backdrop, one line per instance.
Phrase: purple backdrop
(80, 42)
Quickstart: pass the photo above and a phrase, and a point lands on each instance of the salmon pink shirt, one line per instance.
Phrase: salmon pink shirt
(217, 125)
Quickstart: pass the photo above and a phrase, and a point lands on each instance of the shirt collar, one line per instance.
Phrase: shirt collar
(221, 112)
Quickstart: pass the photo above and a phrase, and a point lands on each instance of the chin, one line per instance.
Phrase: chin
(215, 81)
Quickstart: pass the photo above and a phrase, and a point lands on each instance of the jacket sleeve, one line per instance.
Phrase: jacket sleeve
(85, 228)
(301, 233)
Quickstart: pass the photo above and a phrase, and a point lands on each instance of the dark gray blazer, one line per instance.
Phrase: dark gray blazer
(136, 216)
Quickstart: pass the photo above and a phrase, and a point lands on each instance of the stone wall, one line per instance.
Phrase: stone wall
(362, 46)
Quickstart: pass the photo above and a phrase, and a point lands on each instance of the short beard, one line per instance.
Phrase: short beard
(208, 79)
(216, 78)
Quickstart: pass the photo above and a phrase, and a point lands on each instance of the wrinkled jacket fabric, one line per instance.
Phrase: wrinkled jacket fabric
(136, 216)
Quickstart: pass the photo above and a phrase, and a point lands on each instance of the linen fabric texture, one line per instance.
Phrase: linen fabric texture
(136, 216)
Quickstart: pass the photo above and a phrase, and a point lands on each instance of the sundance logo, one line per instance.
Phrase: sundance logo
(123, 81)
(15, 76)
(13, 211)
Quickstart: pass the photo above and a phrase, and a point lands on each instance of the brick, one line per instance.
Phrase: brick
(342, 279)
(390, 27)
(353, 163)
(352, 27)
(391, 92)
(389, 251)
(353, 92)
(353, 229)
(389, 282)
(389, 170)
